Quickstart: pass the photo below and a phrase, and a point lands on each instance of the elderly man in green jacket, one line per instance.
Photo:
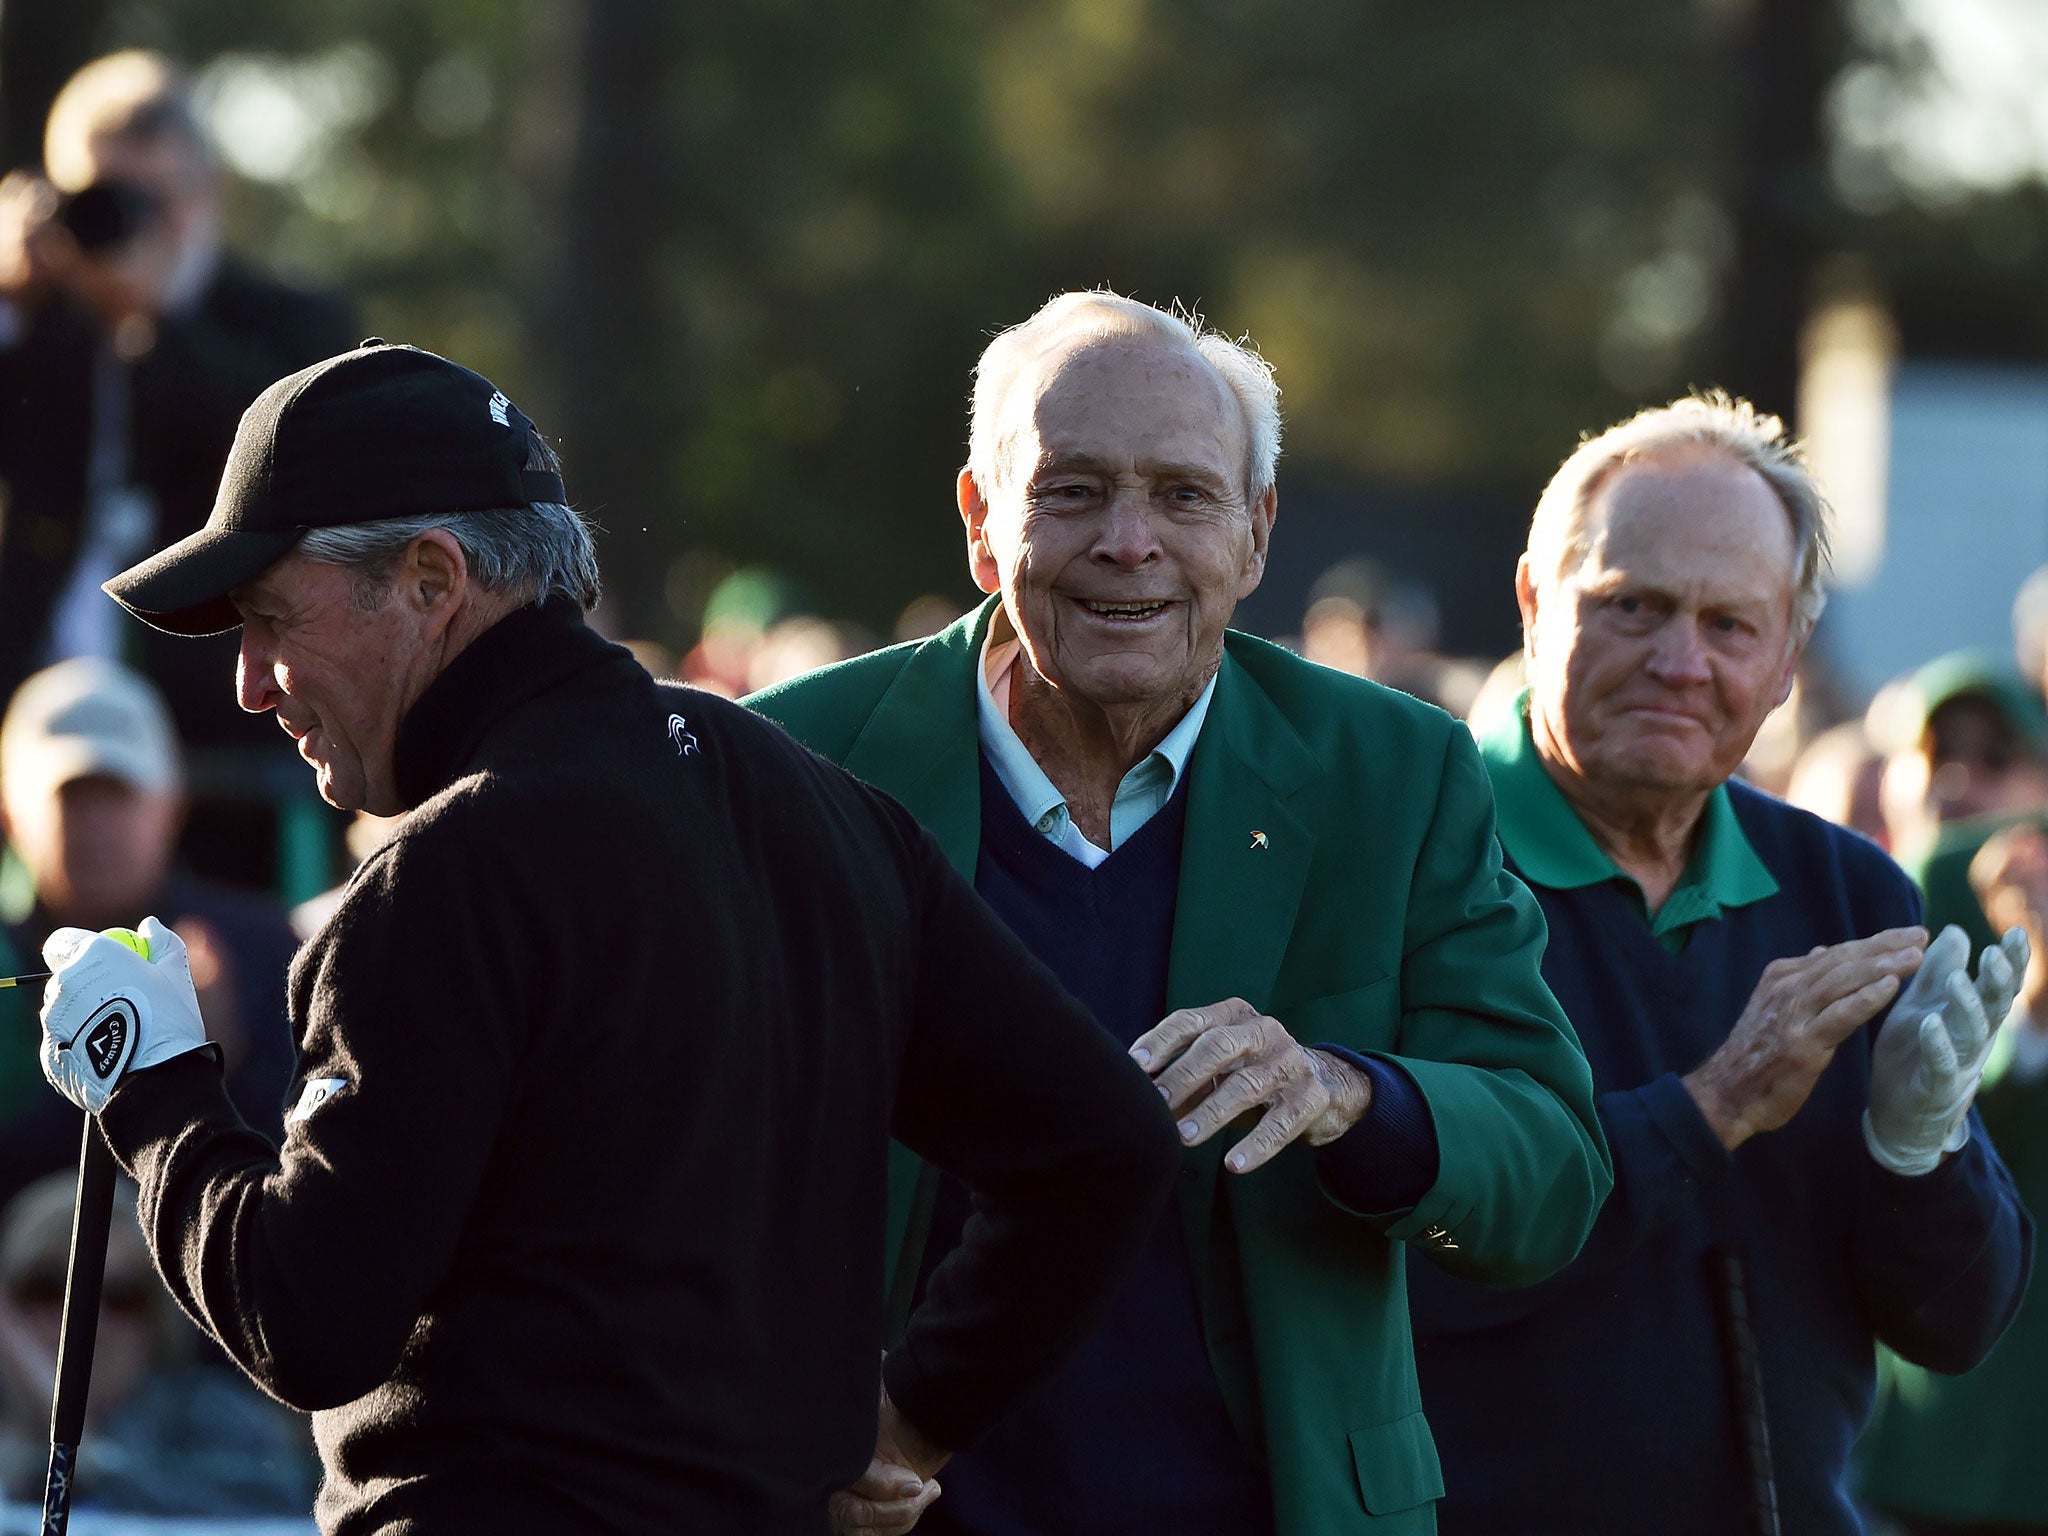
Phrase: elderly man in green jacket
(1280, 887)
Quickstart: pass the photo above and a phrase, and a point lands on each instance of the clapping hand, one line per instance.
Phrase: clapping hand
(1930, 1054)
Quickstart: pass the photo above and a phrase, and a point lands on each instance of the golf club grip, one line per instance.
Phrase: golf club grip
(89, 1225)
(1730, 1280)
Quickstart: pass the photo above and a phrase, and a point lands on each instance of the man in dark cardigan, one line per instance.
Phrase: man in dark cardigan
(1791, 1186)
(577, 1225)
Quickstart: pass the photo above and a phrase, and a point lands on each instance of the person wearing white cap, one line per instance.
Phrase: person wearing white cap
(91, 802)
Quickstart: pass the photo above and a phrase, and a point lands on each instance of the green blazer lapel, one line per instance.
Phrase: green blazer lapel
(1245, 857)
(922, 744)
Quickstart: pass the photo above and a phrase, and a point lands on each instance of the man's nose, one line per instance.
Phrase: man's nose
(1128, 538)
(255, 687)
(1678, 654)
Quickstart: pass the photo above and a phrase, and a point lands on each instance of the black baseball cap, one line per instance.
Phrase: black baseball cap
(383, 431)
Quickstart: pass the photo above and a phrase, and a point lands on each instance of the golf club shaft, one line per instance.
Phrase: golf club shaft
(90, 1222)
(22, 981)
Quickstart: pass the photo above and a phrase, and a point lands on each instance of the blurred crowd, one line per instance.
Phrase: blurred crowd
(129, 343)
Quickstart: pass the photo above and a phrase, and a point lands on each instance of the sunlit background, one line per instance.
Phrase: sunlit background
(739, 258)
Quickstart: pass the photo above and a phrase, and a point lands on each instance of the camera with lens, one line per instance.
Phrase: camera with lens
(108, 214)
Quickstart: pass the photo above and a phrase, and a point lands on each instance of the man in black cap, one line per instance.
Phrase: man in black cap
(578, 1221)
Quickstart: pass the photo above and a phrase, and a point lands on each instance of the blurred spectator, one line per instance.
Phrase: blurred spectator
(90, 797)
(1361, 621)
(2030, 630)
(1818, 703)
(1970, 740)
(923, 617)
(129, 344)
(738, 614)
(1501, 692)
(1967, 753)
(1838, 778)
(165, 1434)
(799, 645)
(1952, 1455)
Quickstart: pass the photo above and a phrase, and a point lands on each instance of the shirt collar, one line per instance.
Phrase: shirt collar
(1035, 794)
(1551, 846)
(525, 653)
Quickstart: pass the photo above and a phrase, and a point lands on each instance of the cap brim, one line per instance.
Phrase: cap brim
(183, 590)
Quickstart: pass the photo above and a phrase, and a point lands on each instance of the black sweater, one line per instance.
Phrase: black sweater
(626, 1014)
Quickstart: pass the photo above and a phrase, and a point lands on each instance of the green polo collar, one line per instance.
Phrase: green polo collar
(1552, 847)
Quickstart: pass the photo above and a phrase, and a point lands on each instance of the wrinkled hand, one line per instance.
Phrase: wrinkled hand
(1928, 1060)
(898, 1485)
(1799, 1014)
(107, 1011)
(1215, 1063)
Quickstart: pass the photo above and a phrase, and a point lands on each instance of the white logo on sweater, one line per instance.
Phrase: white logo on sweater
(318, 1091)
(679, 733)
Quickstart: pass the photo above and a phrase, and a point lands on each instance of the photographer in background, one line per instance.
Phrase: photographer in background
(129, 345)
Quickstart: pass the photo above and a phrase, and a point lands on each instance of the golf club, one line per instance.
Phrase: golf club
(80, 1329)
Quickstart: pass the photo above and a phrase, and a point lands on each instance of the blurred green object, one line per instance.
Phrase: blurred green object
(1942, 871)
(21, 1075)
(1969, 1448)
(754, 597)
(305, 849)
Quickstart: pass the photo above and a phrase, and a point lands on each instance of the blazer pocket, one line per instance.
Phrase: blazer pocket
(1397, 1465)
(1363, 1018)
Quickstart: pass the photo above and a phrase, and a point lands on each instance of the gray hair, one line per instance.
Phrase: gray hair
(1713, 420)
(535, 552)
(1100, 313)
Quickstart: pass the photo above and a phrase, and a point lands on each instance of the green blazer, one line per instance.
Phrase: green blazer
(1374, 914)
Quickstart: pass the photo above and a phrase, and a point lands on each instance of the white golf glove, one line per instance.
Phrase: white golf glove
(1930, 1054)
(107, 1011)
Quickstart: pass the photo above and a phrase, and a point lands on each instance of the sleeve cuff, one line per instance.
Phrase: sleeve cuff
(1388, 1160)
(157, 1103)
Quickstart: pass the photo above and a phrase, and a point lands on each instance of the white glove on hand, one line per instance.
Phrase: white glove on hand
(1930, 1054)
(107, 1011)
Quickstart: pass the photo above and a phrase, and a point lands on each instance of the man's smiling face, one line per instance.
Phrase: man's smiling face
(1120, 531)
(339, 675)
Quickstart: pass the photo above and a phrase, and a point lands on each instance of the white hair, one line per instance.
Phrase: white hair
(1713, 420)
(1097, 313)
(533, 552)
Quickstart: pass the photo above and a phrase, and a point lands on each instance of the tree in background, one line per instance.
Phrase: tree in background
(740, 258)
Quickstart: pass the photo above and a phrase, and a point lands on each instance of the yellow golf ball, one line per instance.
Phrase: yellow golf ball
(129, 937)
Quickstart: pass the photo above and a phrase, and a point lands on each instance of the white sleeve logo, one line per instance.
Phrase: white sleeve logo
(318, 1091)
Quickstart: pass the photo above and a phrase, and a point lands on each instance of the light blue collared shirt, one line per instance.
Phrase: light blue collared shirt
(1139, 795)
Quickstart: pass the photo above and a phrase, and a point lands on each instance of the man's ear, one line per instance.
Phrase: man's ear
(981, 561)
(1264, 511)
(1795, 651)
(1525, 599)
(434, 572)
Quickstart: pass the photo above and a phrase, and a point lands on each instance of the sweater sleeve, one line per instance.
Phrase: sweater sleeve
(312, 1268)
(1942, 1260)
(1523, 1167)
(1668, 1165)
(1069, 1151)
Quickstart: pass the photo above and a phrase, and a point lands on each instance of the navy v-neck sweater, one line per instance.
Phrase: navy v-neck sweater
(1132, 1434)
(1598, 1400)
